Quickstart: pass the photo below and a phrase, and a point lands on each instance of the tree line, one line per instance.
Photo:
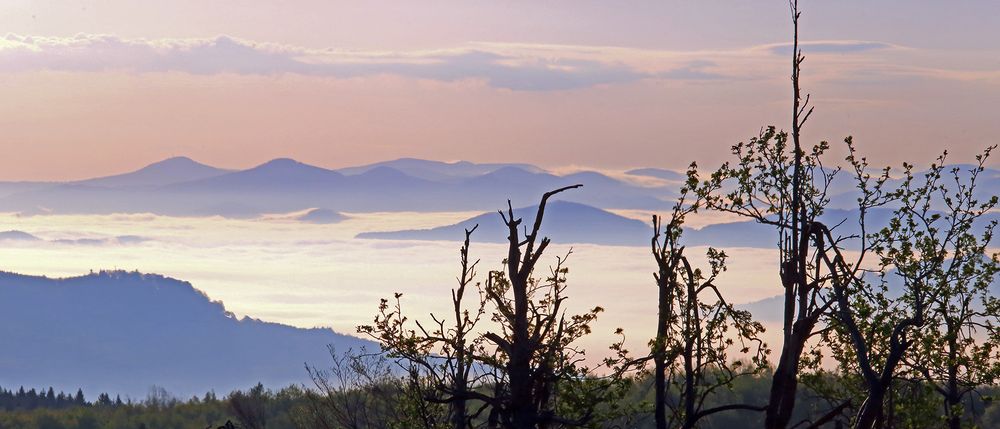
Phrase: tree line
(388, 402)
(255, 407)
(31, 399)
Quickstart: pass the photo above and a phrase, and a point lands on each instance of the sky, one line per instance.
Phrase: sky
(95, 87)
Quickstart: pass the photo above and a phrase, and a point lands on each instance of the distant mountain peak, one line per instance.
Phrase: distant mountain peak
(177, 160)
(290, 167)
(321, 216)
(277, 175)
(510, 169)
(281, 162)
(566, 222)
(415, 160)
(168, 171)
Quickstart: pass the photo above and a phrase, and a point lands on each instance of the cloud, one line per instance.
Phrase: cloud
(118, 240)
(518, 67)
(695, 70)
(21, 236)
(226, 54)
(830, 47)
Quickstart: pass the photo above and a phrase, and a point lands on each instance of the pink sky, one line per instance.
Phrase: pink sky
(97, 87)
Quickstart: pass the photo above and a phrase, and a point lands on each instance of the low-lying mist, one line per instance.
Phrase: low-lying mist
(304, 274)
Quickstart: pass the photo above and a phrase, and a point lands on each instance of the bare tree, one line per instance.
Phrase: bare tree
(536, 336)
(358, 391)
(525, 370)
(440, 359)
(441, 356)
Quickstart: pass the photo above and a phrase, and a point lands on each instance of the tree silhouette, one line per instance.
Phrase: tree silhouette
(956, 351)
(690, 351)
(524, 370)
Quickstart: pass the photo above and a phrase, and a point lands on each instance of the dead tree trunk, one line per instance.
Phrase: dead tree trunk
(665, 278)
(528, 392)
(799, 321)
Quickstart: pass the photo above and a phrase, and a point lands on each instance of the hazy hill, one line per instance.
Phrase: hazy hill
(436, 170)
(570, 222)
(277, 174)
(321, 216)
(124, 332)
(171, 170)
(565, 222)
(15, 235)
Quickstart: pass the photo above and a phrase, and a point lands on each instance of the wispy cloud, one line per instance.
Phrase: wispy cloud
(515, 67)
(519, 67)
(225, 54)
(695, 70)
(831, 47)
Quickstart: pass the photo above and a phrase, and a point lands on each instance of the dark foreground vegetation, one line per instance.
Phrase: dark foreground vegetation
(888, 320)
(389, 405)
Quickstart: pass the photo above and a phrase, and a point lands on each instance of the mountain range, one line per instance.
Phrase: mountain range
(288, 189)
(182, 186)
(123, 332)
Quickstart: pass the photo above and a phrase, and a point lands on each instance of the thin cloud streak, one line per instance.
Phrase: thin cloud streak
(514, 67)
(224, 54)
(832, 47)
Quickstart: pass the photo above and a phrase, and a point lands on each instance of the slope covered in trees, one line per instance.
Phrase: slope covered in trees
(124, 332)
